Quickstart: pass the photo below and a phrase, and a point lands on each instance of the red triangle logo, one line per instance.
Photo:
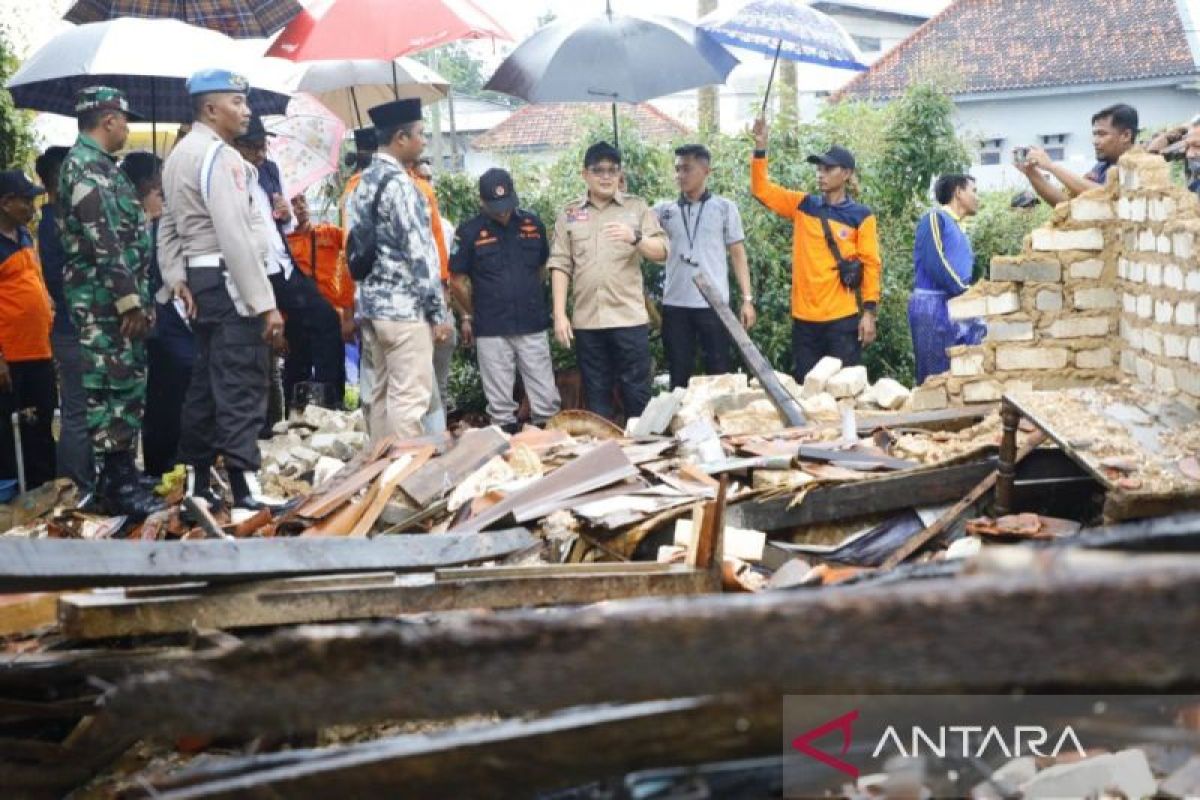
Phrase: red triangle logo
(845, 724)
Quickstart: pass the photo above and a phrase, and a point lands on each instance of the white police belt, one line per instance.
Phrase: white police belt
(210, 261)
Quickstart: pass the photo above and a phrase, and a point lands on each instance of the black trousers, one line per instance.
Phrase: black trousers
(812, 341)
(614, 358)
(314, 336)
(34, 396)
(226, 402)
(685, 328)
(170, 354)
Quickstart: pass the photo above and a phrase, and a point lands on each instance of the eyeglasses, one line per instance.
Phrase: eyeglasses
(605, 172)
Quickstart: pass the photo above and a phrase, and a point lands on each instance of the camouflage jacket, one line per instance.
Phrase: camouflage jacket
(104, 235)
(406, 283)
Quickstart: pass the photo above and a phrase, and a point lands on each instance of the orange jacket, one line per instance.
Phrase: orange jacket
(817, 292)
(325, 241)
(26, 316)
(435, 219)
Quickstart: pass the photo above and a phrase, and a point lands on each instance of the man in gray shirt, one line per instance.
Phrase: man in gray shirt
(705, 232)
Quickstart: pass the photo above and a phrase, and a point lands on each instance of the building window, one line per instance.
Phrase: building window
(868, 44)
(990, 152)
(1055, 145)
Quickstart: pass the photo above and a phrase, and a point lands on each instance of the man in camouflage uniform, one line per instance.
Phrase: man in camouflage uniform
(106, 283)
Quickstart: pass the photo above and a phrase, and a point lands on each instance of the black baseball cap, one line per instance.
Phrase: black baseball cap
(14, 182)
(834, 157)
(496, 191)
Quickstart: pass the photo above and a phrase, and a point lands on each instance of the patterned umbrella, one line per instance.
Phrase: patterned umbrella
(787, 27)
(239, 19)
(307, 142)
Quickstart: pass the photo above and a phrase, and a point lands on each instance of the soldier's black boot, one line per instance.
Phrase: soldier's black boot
(123, 494)
(247, 493)
(199, 485)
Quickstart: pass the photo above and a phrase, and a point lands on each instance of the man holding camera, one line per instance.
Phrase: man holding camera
(835, 258)
(701, 228)
(1114, 132)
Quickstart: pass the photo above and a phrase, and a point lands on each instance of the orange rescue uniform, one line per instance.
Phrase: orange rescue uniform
(322, 245)
(26, 314)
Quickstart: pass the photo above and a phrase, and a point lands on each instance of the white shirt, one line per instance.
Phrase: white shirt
(278, 259)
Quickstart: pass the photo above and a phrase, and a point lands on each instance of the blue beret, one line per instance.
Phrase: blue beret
(216, 80)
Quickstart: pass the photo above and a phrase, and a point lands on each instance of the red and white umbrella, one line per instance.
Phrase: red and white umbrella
(382, 29)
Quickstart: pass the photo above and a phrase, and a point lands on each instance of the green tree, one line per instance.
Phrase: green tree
(17, 146)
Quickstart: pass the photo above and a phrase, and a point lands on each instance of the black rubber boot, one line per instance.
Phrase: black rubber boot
(122, 493)
(246, 492)
(199, 486)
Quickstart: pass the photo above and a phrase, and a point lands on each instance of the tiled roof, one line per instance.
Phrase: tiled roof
(550, 125)
(998, 45)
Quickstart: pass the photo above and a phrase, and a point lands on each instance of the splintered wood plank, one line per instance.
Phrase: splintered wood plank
(441, 475)
(788, 406)
(342, 491)
(386, 486)
(50, 564)
(100, 616)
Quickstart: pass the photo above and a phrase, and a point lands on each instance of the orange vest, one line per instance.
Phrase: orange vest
(25, 310)
(323, 245)
(435, 220)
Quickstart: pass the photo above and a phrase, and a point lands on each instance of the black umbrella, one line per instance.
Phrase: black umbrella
(612, 57)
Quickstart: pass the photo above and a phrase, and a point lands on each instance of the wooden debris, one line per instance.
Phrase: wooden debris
(437, 478)
(389, 480)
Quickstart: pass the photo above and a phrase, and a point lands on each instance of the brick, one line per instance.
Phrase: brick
(1188, 380)
(1018, 271)
(1031, 358)
(1147, 241)
(1123, 269)
(1192, 281)
(1128, 362)
(1133, 337)
(1129, 303)
(1181, 244)
(1100, 358)
(1018, 387)
(1137, 209)
(1152, 341)
(967, 365)
(1164, 378)
(1145, 306)
(1163, 312)
(1050, 239)
(850, 382)
(967, 307)
(1005, 331)
(819, 375)
(1086, 209)
(928, 398)
(1089, 270)
(1193, 353)
(1175, 346)
(982, 392)
(1137, 272)
(1095, 298)
(889, 394)
(1004, 303)
(1079, 327)
(1145, 371)
(1185, 313)
(1164, 245)
(1143, 171)
(1161, 209)
(1154, 274)
(1049, 300)
(1173, 277)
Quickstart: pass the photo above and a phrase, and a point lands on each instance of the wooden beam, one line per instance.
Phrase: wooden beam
(101, 616)
(50, 564)
(939, 636)
(829, 503)
(759, 367)
(386, 486)
(946, 419)
(440, 476)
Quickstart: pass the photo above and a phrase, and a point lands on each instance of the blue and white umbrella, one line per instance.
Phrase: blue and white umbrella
(788, 28)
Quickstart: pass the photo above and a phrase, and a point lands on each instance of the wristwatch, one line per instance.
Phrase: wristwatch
(637, 237)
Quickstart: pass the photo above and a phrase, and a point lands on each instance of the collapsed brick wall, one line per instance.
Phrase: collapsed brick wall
(1109, 287)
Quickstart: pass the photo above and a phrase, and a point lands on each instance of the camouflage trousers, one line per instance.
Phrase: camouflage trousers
(114, 380)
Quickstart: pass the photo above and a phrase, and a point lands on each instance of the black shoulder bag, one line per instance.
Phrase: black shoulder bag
(362, 245)
(850, 271)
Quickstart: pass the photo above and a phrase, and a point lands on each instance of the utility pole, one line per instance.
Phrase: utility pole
(708, 97)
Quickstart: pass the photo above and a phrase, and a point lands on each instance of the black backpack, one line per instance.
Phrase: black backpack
(362, 245)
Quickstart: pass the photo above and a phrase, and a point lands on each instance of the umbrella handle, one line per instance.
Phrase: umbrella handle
(762, 114)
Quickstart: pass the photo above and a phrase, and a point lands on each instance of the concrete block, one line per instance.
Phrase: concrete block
(1154, 274)
(1090, 270)
(1145, 306)
(1191, 281)
(1018, 387)
(1087, 209)
(1079, 327)
(850, 382)
(1129, 303)
(889, 394)
(1173, 277)
(1100, 358)
(1185, 312)
(1128, 362)
(966, 365)
(821, 406)
(1161, 209)
(1147, 241)
(1133, 337)
(1182, 244)
(1127, 772)
(1096, 298)
(1137, 209)
(1014, 359)
(928, 398)
(1188, 381)
(1164, 312)
(1004, 303)
(982, 392)
(1152, 341)
(1164, 245)
(1123, 268)
(1001, 330)
(1025, 271)
(819, 375)
(1137, 272)
(1050, 239)
(967, 307)
(1164, 378)
(1193, 353)
(1175, 346)
(1145, 371)
(1048, 300)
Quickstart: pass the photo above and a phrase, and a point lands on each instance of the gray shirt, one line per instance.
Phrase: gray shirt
(699, 232)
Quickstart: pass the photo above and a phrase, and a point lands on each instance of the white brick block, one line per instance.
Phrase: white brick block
(1123, 210)
(1132, 337)
(1100, 358)
(968, 365)
(1154, 274)
(1129, 303)
(1018, 387)
(1051, 239)
(1087, 209)
(1161, 209)
(1164, 378)
(889, 394)
(1173, 277)
(967, 307)
(1128, 362)
(819, 375)
(1004, 303)
(1049, 300)
(1188, 380)
(1164, 245)
(1192, 281)
(1181, 244)
(1032, 271)
(982, 392)
(1194, 350)
(1147, 241)
(1079, 327)
(1031, 358)
(1164, 312)
(1145, 306)
(1145, 371)
(1101, 297)
(1175, 346)
(1137, 209)
(850, 382)
(1185, 313)
(1122, 269)
(1137, 271)
(1152, 342)
(1130, 240)
(1089, 270)
(1004, 331)
(928, 398)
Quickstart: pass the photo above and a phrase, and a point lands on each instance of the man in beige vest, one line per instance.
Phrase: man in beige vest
(212, 251)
